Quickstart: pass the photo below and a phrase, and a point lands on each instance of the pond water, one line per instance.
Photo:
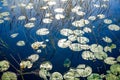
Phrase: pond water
(59, 39)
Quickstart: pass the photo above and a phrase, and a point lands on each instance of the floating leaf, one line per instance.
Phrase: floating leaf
(67, 62)
(9, 76)
(56, 76)
(4, 65)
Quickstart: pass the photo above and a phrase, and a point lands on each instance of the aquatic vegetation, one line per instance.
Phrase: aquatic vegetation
(110, 60)
(107, 48)
(75, 47)
(64, 43)
(87, 30)
(82, 40)
(42, 31)
(87, 55)
(96, 48)
(114, 27)
(33, 57)
(101, 16)
(107, 39)
(47, 20)
(66, 32)
(101, 55)
(107, 21)
(118, 58)
(80, 23)
(46, 65)
(94, 76)
(37, 45)
(20, 43)
(84, 70)
(67, 62)
(111, 77)
(59, 10)
(1, 21)
(4, 65)
(32, 19)
(21, 18)
(9, 76)
(29, 25)
(59, 40)
(71, 75)
(26, 64)
(115, 69)
(14, 35)
(92, 18)
(59, 16)
(56, 76)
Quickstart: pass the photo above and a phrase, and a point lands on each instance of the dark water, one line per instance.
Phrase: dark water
(52, 52)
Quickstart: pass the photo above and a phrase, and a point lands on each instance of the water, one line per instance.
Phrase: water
(52, 52)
